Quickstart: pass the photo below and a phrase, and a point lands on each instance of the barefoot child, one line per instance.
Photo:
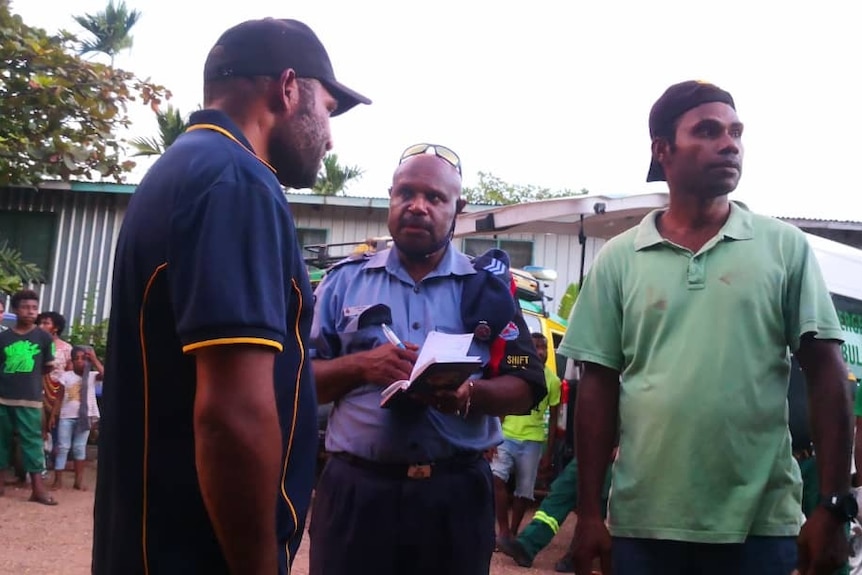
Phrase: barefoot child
(77, 413)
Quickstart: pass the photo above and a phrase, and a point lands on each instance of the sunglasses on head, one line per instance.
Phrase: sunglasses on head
(441, 152)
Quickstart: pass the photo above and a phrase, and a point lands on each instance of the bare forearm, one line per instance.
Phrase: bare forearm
(832, 435)
(56, 406)
(377, 366)
(238, 457)
(503, 395)
(334, 378)
(238, 448)
(596, 413)
(829, 406)
(99, 367)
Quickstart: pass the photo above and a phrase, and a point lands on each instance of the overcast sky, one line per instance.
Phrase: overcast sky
(554, 94)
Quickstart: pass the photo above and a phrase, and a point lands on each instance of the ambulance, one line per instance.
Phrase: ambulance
(841, 266)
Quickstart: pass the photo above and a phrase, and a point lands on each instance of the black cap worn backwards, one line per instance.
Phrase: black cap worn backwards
(676, 101)
(270, 46)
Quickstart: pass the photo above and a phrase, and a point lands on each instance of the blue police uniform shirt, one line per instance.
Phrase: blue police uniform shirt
(207, 255)
(357, 424)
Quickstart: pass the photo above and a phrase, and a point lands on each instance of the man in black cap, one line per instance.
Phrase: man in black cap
(407, 489)
(686, 324)
(207, 451)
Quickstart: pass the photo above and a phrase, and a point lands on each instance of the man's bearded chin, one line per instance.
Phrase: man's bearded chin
(416, 254)
(421, 254)
(296, 176)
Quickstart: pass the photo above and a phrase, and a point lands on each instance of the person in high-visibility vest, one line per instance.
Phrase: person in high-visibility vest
(561, 500)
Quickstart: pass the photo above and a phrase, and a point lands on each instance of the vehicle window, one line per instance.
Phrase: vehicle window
(533, 323)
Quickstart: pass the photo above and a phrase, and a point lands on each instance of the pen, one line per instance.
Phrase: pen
(390, 335)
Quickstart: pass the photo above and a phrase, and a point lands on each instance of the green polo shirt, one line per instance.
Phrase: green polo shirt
(702, 341)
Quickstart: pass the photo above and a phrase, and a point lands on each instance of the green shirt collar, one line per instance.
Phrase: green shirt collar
(737, 227)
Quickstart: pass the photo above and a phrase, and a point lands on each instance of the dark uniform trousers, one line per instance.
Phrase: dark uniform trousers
(397, 519)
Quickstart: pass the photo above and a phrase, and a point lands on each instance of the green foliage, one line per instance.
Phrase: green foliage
(87, 330)
(59, 114)
(492, 191)
(567, 302)
(334, 178)
(172, 124)
(110, 29)
(14, 271)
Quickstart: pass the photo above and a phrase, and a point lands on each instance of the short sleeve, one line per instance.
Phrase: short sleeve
(226, 267)
(48, 351)
(808, 307)
(594, 331)
(325, 341)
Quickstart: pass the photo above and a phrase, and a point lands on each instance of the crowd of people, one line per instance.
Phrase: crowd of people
(48, 400)
(684, 327)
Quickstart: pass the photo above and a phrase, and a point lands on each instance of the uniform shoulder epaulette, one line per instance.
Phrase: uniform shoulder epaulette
(356, 258)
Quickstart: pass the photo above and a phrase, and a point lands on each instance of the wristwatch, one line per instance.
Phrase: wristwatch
(842, 506)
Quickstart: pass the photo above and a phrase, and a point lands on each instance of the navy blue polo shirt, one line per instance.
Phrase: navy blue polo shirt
(207, 255)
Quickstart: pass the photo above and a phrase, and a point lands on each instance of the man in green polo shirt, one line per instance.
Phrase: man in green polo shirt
(686, 324)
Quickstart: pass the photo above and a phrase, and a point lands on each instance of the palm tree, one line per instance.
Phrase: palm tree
(110, 29)
(14, 271)
(171, 125)
(334, 177)
(568, 300)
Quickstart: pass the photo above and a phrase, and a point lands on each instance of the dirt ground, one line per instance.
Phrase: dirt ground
(40, 540)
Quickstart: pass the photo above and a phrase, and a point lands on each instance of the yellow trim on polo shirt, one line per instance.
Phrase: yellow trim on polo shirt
(230, 136)
(232, 341)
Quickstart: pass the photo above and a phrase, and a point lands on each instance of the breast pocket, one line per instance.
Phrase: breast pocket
(354, 338)
(448, 327)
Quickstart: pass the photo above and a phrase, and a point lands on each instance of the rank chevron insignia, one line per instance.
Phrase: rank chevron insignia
(495, 267)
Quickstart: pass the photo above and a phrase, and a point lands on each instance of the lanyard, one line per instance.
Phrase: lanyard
(227, 134)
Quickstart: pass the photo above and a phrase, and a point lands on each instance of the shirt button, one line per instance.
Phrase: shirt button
(415, 325)
(415, 289)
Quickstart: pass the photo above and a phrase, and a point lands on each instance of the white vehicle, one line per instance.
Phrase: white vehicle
(842, 269)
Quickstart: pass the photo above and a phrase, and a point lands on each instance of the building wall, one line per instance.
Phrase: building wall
(85, 235)
(343, 224)
(88, 223)
(355, 224)
(559, 252)
(849, 237)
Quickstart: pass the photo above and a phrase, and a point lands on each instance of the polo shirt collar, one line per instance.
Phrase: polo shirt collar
(738, 227)
(223, 121)
(453, 263)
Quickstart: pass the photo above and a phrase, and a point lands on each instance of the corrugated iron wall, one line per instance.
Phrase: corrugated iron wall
(85, 235)
(88, 223)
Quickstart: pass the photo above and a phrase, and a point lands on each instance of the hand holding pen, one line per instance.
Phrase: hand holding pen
(390, 335)
(387, 363)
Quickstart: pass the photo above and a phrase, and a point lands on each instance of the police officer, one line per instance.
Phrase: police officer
(407, 489)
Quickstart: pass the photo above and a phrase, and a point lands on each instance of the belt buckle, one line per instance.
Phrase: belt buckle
(419, 471)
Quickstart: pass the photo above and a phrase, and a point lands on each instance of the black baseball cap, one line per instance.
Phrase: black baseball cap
(676, 101)
(270, 46)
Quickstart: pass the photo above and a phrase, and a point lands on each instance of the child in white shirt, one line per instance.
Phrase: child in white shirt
(76, 418)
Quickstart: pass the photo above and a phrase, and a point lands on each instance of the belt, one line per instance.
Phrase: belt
(411, 470)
